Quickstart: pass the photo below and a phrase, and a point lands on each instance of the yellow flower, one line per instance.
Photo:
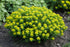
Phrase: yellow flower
(30, 16)
(31, 39)
(39, 24)
(62, 1)
(40, 15)
(47, 35)
(52, 38)
(66, 27)
(36, 18)
(16, 12)
(67, 1)
(64, 5)
(45, 31)
(31, 35)
(24, 36)
(18, 28)
(47, 20)
(36, 32)
(30, 23)
(27, 31)
(18, 33)
(17, 16)
(21, 10)
(27, 14)
(13, 22)
(61, 31)
(45, 25)
(42, 28)
(57, 28)
(21, 20)
(43, 19)
(22, 6)
(9, 17)
(38, 38)
(14, 33)
(23, 17)
(31, 29)
(62, 34)
(17, 23)
(13, 30)
(22, 27)
(56, 7)
(5, 25)
(40, 32)
(35, 27)
(7, 20)
(36, 21)
(36, 11)
(23, 32)
(15, 26)
(57, 32)
(43, 35)
(44, 12)
(10, 24)
(24, 24)
(50, 26)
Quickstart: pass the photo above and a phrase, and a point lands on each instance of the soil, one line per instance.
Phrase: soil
(8, 41)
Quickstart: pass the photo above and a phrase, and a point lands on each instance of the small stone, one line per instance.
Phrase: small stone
(58, 45)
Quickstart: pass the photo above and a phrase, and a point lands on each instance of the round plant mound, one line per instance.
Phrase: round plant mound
(35, 24)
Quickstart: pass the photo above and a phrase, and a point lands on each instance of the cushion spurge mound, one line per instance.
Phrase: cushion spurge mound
(35, 24)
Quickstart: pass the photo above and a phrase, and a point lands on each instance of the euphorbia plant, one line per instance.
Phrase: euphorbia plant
(35, 24)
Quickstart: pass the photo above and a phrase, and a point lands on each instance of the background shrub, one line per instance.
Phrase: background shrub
(3, 12)
(58, 4)
(63, 4)
(38, 3)
(35, 24)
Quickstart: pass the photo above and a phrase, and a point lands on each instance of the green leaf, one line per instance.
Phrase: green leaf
(3, 19)
(0, 23)
(2, 4)
(0, 17)
(4, 10)
(42, 1)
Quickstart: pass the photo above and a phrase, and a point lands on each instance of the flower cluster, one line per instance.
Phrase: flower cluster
(35, 24)
(64, 4)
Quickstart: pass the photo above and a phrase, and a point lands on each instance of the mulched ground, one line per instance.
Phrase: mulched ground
(7, 41)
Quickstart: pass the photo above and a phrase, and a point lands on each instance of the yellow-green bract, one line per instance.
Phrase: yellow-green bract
(35, 24)
(64, 4)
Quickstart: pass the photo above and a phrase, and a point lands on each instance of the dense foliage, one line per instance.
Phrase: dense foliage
(3, 12)
(35, 24)
(38, 3)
